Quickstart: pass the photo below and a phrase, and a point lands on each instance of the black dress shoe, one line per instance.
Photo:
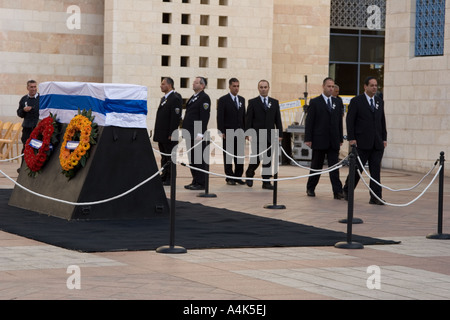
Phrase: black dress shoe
(310, 193)
(197, 187)
(376, 201)
(249, 183)
(231, 183)
(239, 181)
(345, 195)
(188, 186)
(267, 185)
(338, 195)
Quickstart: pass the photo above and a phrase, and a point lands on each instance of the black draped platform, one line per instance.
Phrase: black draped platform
(197, 227)
(122, 159)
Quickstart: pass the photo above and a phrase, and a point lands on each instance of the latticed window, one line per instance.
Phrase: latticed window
(358, 14)
(357, 31)
(430, 24)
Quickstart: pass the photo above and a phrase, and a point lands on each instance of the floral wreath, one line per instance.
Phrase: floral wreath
(80, 135)
(40, 144)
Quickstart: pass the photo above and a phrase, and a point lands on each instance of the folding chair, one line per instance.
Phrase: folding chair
(7, 144)
(5, 130)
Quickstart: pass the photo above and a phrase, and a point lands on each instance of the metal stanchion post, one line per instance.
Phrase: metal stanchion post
(171, 248)
(206, 194)
(275, 184)
(349, 244)
(439, 234)
(351, 180)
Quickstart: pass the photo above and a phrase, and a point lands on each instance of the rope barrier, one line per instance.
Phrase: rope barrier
(230, 154)
(84, 203)
(316, 172)
(396, 190)
(242, 157)
(12, 159)
(186, 152)
(401, 205)
(257, 179)
(340, 163)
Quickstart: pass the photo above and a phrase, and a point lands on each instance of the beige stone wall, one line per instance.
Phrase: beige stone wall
(236, 41)
(121, 42)
(416, 94)
(36, 43)
(301, 47)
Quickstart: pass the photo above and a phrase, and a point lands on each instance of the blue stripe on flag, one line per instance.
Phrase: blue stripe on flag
(126, 106)
(67, 102)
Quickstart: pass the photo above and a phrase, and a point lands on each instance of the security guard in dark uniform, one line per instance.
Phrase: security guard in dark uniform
(195, 124)
(168, 118)
(263, 115)
(231, 118)
(324, 135)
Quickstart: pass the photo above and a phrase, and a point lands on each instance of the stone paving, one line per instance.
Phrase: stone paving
(416, 269)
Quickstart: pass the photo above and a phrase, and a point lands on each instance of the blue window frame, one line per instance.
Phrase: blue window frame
(430, 24)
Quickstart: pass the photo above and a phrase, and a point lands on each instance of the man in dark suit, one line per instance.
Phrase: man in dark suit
(336, 95)
(263, 116)
(29, 111)
(231, 125)
(366, 128)
(324, 135)
(195, 123)
(168, 119)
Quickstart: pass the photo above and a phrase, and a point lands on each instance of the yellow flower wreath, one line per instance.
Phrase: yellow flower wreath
(82, 130)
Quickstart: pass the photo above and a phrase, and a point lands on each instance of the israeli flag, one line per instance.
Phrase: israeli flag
(120, 105)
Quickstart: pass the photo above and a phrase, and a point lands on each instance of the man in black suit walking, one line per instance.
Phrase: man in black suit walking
(231, 125)
(324, 135)
(168, 119)
(263, 115)
(366, 129)
(195, 123)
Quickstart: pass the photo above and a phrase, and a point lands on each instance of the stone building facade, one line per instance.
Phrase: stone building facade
(141, 41)
(416, 91)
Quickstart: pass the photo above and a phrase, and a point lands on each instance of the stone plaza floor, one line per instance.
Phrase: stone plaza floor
(416, 269)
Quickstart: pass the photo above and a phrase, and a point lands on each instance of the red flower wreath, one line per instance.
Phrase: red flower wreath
(45, 132)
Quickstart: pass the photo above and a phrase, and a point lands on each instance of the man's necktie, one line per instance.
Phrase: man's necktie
(265, 104)
(372, 107)
(236, 103)
(329, 103)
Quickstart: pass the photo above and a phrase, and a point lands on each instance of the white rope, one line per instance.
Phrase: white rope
(406, 204)
(182, 153)
(83, 203)
(238, 157)
(258, 179)
(242, 157)
(310, 169)
(395, 190)
(12, 159)
(161, 153)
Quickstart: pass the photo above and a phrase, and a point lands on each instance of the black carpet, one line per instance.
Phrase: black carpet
(196, 227)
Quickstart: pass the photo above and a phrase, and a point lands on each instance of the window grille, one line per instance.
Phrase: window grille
(430, 24)
(358, 14)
